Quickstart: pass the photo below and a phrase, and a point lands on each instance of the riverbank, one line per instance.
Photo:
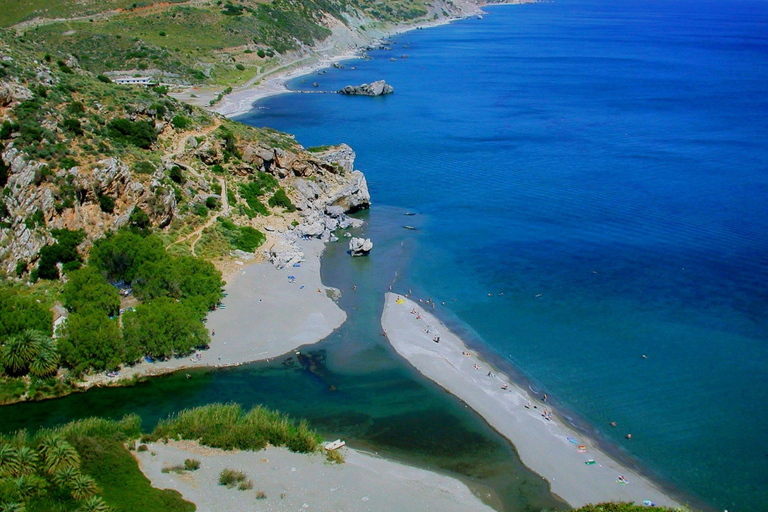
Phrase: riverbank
(544, 442)
(293, 481)
(266, 313)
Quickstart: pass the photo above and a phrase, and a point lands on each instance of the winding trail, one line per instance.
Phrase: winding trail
(180, 149)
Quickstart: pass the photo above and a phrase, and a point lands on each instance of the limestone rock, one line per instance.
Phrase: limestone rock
(377, 88)
(360, 246)
(284, 252)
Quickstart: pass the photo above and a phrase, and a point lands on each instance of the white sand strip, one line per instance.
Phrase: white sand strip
(543, 445)
(265, 315)
(293, 481)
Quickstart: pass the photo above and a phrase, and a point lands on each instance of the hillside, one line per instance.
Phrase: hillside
(170, 186)
(212, 42)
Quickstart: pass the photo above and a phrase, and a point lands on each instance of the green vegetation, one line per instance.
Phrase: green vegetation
(244, 238)
(623, 507)
(280, 199)
(141, 134)
(229, 427)
(232, 478)
(251, 192)
(82, 465)
(63, 251)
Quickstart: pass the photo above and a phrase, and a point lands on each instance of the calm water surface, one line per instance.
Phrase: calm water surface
(592, 184)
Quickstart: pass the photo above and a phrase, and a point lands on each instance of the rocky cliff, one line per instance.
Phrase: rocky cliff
(77, 153)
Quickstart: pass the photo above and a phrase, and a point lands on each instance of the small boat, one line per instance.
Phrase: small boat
(409, 227)
(334, 445)
(410, 213)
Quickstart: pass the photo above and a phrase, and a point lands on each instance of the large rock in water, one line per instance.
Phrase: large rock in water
(376, 88)
(360, 246)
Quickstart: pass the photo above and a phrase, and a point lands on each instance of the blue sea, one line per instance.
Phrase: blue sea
(590, 183)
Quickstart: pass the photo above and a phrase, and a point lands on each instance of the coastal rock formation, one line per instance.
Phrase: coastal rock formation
(377, 88)
(360, 246)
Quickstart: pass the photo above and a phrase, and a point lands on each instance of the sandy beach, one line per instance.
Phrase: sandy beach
(294, 481)
(266, 313)
(547, 446)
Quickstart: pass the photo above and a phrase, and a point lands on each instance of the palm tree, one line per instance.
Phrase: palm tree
(46, 361)
(13, 507)
(7, 459)
(20, 350)
(83, 486)
(26, 461)
(30, 485)
(58, 455)
(66, 476)
(93, 504)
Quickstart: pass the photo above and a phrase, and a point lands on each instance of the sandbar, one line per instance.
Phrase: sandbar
(548, 446)
(294, 481)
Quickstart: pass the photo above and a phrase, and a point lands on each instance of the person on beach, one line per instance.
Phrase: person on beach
(544, 398)
(505, 386)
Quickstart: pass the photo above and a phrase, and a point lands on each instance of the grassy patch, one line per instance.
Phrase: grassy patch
(229, 427)
(11, 390)
(125, 487)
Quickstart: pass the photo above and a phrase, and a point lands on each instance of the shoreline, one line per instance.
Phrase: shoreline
(550, 447)
(273, 83)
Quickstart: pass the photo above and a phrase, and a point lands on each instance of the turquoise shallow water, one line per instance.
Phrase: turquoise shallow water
(604, 166)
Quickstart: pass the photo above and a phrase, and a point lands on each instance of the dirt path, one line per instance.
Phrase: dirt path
(180, 148)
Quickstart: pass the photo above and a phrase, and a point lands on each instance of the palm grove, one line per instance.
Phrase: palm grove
(175, 294)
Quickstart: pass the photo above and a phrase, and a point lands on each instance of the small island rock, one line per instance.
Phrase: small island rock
(377, 88)
(360, 246)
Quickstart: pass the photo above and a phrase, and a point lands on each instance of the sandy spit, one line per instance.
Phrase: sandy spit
(292, 481)
(265, 314)
(547, 446)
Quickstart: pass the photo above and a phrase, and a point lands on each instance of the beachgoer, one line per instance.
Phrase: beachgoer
(613, 423)
(629, 436)
(505, 386)
(489, 374)
(213, 333)
(544, 398)
(528, 405)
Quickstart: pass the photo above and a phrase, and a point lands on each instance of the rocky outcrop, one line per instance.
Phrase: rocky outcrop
(377, 88)
(360, 246)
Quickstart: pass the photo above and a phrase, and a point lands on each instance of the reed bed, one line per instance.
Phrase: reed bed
(228, 427)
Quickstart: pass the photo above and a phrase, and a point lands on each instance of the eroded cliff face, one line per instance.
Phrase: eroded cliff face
(323, 186)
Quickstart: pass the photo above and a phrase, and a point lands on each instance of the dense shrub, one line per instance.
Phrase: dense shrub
(19, 311)
(63, 251)
(107, 204)
(279, 198)
(181, 122)
(176, 174)
(141, 134)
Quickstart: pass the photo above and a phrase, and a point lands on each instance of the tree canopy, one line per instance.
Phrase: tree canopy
(86, 288)
(91, 340)
(163, 329)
